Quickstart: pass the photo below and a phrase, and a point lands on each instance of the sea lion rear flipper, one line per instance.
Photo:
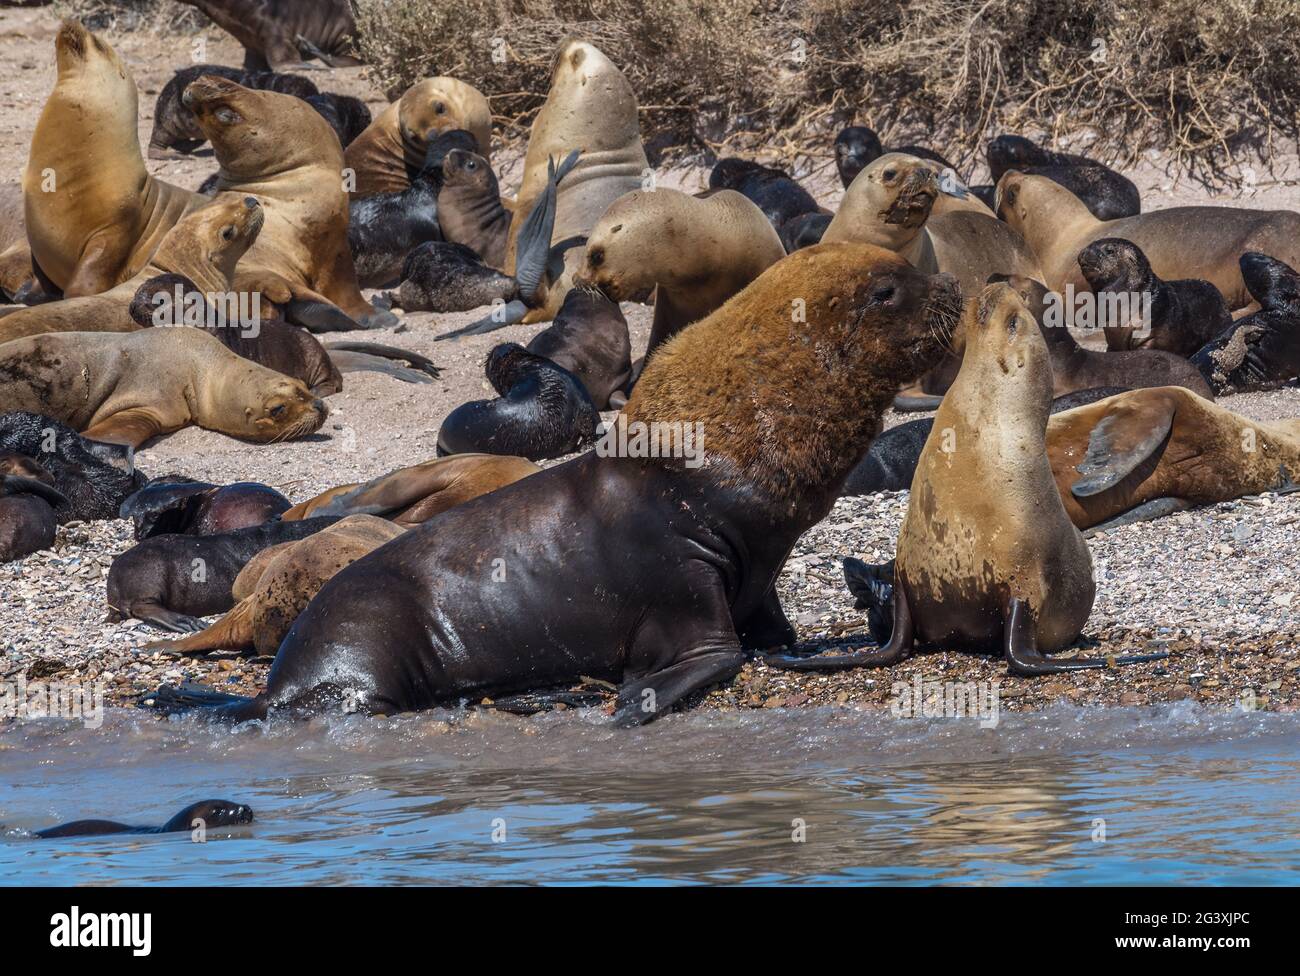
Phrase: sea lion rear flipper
(233, 632)
(1020, 646)
(412, 359)
(174, 698)
(319, 316)
(131, 427)
(16, 484)
(646, 698)
(899, 646)
(555, 259)
(502, 315)
(1130, 433)
(873, 591)
(155, 614)
(358, 362)
(1154, 509)
(534, 244)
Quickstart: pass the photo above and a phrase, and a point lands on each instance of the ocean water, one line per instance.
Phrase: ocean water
(1175, 794)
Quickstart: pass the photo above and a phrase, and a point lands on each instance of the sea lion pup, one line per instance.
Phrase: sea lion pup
(1076, 368)
(347, 116)
(279, 587)
(94, 215)
(1179, 242)
(283, 33)
(711, 539)
(28, 501)
(693, 252)
(1001, 569)
(469, 207)
(542, 411)
(590, 107)
(439, 276)
(205, 813)
(95, 477)
(127, 389)
(170, 581)
(174, 504)
(415, 494)
(1107, 194)
(1260, 351)
(385, 228)
(773, 191)
(204, 247)
(279, 148)
(857, 147)
(1185, 315)
(176, 133)
(589, 338)
(393, 147)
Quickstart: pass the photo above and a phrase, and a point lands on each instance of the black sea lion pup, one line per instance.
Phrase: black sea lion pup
(543, 411)
(28, 500)
(347, 116)
(773, 191)
(419, 622)
(1002, 569)
(1106, 193)
(589, 338)
(205, 814)
(857, 147)
(1185, 315)
(183, 506)
(1260, 351)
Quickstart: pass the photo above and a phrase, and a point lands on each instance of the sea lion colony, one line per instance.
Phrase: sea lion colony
(782, 332)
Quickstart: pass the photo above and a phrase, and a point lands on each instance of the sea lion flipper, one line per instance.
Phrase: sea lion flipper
(319, 316)
(356, 362)
(233, 632)
(1129, 434)
(14, 484)
(508, 314)
(131, 427)
(1020, 647)
(899, 646)
(646, 698)
(120, 456)
(412, 359)
(534, 244)
(1154, 509)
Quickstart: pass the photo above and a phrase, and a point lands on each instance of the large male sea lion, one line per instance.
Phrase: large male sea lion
(422, 621)
(129, 388)
(283, 33)
(591, 108)
(1002, 568)
(1179, 242)
(392, 149)
(94, 214)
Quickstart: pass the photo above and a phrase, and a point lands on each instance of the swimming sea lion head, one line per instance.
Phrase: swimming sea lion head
(1114, 264)
(437, 105)
(211, 813)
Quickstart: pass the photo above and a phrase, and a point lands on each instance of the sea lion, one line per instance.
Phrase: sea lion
(710, 539)
(415, 494)
(177, 505)
(128, 388)
(439, 276)
(17, 281)
(469, 207)
(28, 500)
(206, 814)
(693, 252)
(1179, 242)
(776, 193)
(1185, 315)
(204, 246)
(280, 149)
(590, 108)
(857, 147)
(542, 411)
(392, 149)
(280, 587)
(589, 338)
(95, 477)
(94, 215)
(347, 116)
(176, 132)
(1076, 368)
(169, 581)
(1260, 351)
(1106, 194)
(1002, 569)
(283, 33)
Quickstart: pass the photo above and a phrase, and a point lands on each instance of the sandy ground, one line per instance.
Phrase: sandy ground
(1217, 588)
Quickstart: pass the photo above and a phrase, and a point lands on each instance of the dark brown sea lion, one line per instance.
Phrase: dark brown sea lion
(28, 501)
(174, 504)
(285, 33)
(205, 814)
(469, 207)
(589, 338)
(451, 611)
(347, 116)
(774, 191)
(857, 147)
(1260, 351)
(1107, 194)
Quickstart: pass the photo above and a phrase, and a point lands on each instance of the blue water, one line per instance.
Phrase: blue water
(1187, 795)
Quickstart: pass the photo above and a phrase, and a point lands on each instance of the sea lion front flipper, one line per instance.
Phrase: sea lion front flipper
(16, 484)
(319, 316)
(766, 627)
(1154, 509)
(502, 315)
(1131, 433)
(899, 646)
(156, 615)
(531, 703)
(131, 427)
(359, 362)
(120, 456)
(98, 267)
(646, 698)
(1020, 646)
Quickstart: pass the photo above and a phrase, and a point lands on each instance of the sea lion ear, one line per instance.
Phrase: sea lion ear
(120, 456)
(1135, 429)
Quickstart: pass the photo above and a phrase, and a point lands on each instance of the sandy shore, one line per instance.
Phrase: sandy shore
(1217, 588)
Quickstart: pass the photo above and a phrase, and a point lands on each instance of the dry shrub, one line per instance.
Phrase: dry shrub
(157, 16)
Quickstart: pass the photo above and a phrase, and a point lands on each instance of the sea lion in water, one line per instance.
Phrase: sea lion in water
(776, 193)
(28, 500)
(174, 504)
(469, 207)
(95, 477)
(1185, 315)
(415, 494)
(283, 33)
(589, 338)
(711, 539)
(857, 147)
(127, 389)
(279, 148)
(693, 252)
(204, 246)
(1107, 194)
(1002, 569)
(170, 581)
(281, 586)
(1260, 351)
(94, 215)
(392, 150)
(542, 411)
(590, 107)
(176, 132)
(205, 814)
(1179, 242)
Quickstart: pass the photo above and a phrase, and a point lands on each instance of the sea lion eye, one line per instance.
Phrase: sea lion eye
(1011, 195)
(891, 174)
(882, 294)
(226, 116)
(596, 258)
(277, 410)
(439, 107)
(228, 232)
(470, 164)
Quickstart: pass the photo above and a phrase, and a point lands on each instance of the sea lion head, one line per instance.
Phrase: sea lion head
(280, 409)
(1114, 264)
(1272, 283)
(596, 104)
(78, 50)
(463, 170)
(1019, 198)
(1011, 152)
(207, 244)
(437, 105)
(1006, 346)
(888, 203)
(643, 238)
(211, 813)
(856, 148)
